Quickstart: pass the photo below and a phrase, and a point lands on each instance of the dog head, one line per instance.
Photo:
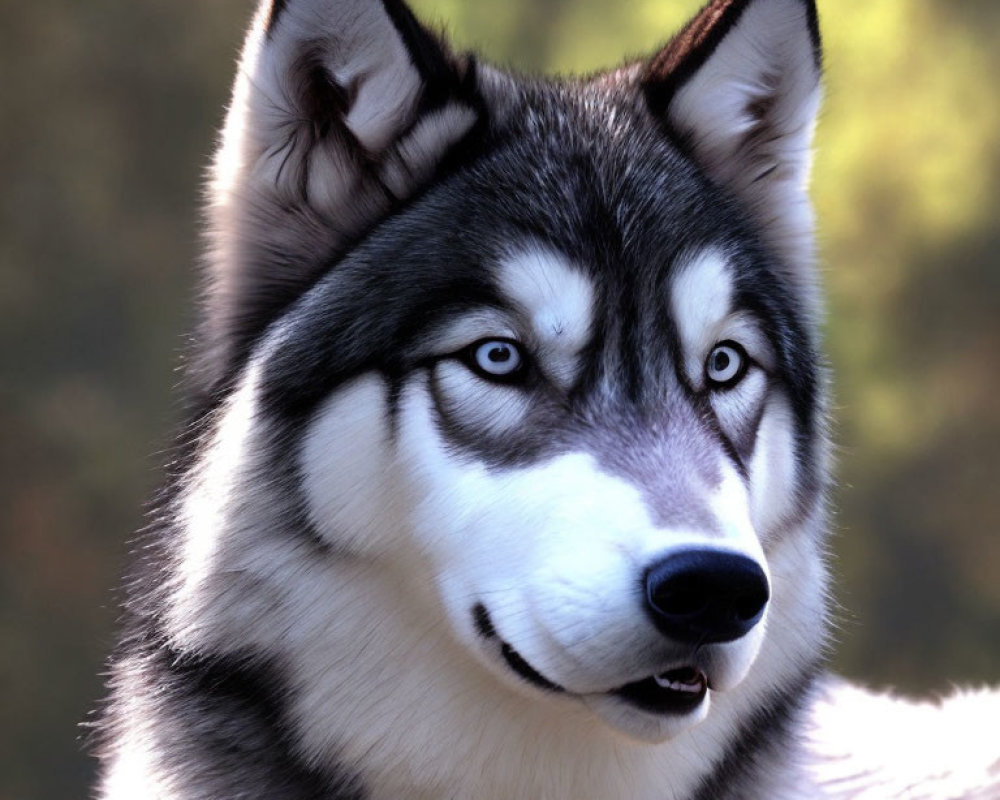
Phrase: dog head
(543, 351)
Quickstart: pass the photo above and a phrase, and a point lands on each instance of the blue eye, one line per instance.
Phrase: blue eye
(498, 358)
(726, 365)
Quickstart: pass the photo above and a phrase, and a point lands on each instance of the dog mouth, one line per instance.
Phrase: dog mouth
(677, 691)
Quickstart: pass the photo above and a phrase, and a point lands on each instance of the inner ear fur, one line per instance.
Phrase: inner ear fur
(739, 89)
(341, 110)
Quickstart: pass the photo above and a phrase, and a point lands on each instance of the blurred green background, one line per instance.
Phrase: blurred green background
(108, 112)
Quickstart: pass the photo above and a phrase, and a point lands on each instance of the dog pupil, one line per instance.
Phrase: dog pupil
(498, 354)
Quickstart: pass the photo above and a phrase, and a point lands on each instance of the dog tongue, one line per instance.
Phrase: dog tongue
(685, 679)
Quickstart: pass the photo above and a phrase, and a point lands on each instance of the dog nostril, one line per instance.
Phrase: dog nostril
(705, 596)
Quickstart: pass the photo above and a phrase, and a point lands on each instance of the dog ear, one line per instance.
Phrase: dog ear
(341, 110)
(740, 89)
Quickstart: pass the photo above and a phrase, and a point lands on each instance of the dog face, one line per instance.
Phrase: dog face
(540, 357)
(543, 448)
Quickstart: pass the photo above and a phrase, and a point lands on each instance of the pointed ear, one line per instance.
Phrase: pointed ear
(740, 87)
(341, 110)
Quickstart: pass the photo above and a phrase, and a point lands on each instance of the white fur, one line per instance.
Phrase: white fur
(134, 769)
(346, 469)
(868, 746)
(701, 297)
(738, 408)
(701, 302)
(772, 469)
(214, 513)
(556, 300)
(416, 154)
(493, 409)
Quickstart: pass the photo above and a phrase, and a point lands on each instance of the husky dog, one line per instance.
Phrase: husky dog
(506, 462)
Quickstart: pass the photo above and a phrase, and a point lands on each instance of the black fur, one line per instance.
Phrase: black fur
(274, 15)
(238, 729)
(443, 76)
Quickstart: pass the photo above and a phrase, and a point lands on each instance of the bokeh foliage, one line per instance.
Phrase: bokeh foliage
(107, 117)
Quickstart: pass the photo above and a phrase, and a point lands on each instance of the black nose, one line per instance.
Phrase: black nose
(704, 596)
